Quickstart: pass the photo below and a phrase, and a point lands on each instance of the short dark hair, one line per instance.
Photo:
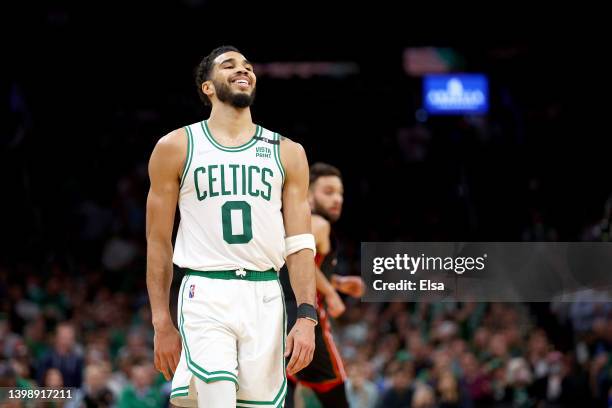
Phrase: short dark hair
(321, 170)
(204, 68)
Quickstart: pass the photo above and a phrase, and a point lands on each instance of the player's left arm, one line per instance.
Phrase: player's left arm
(301, 266)
(321, 229)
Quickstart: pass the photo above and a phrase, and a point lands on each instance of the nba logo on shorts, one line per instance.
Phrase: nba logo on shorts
(191, 291)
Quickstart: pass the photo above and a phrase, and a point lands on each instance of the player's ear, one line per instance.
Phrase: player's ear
(208, 88)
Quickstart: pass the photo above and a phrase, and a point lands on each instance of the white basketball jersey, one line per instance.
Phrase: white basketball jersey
(230, 203)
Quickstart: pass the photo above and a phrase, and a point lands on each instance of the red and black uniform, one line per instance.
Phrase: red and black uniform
(325, 374)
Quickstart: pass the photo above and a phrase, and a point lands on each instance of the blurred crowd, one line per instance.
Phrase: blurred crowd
(476, 355)
(92, 332)
(78, 332)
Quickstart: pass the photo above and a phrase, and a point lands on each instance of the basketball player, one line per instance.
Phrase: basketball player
(230, 178)
(325, 375)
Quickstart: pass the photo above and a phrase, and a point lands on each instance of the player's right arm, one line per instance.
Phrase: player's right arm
(165, 167)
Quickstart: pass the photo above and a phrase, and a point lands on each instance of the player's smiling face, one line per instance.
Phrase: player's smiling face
(234, 80)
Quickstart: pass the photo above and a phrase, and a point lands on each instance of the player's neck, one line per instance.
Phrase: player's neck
(230, 120)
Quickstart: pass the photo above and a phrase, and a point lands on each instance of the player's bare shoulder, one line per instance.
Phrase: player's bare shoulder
(293, 155)
(173, 143)
(170, 152)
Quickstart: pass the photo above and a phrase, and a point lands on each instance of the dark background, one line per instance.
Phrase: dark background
(99, 87)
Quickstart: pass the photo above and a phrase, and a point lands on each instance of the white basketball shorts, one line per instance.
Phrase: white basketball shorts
(232, 329)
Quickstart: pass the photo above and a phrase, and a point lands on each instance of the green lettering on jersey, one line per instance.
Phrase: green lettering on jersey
(256, 181)
(211, 179)
(201, 194)
(234, 177)
(223, 191)
(251, 192)
(266, 194)
(243, 179)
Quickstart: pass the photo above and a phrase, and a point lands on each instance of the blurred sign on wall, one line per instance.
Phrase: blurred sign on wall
(307, 69)
(419, 61)
(456, 94)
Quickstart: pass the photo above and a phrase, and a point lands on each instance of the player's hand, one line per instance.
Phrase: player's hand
(300, 345)
(167, 347)
(351, 285)
(335, 305)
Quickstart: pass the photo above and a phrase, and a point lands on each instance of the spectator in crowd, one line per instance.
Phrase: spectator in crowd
(95, 392)
(53, 378)
(399, 394)
(477, 382)
(423, 397)
(141, 392)
(361, 392)
(448, 392)
(65, 357)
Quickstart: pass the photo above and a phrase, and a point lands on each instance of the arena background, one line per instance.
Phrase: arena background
(90, 92)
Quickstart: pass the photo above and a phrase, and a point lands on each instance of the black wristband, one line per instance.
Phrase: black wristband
(307, 311)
